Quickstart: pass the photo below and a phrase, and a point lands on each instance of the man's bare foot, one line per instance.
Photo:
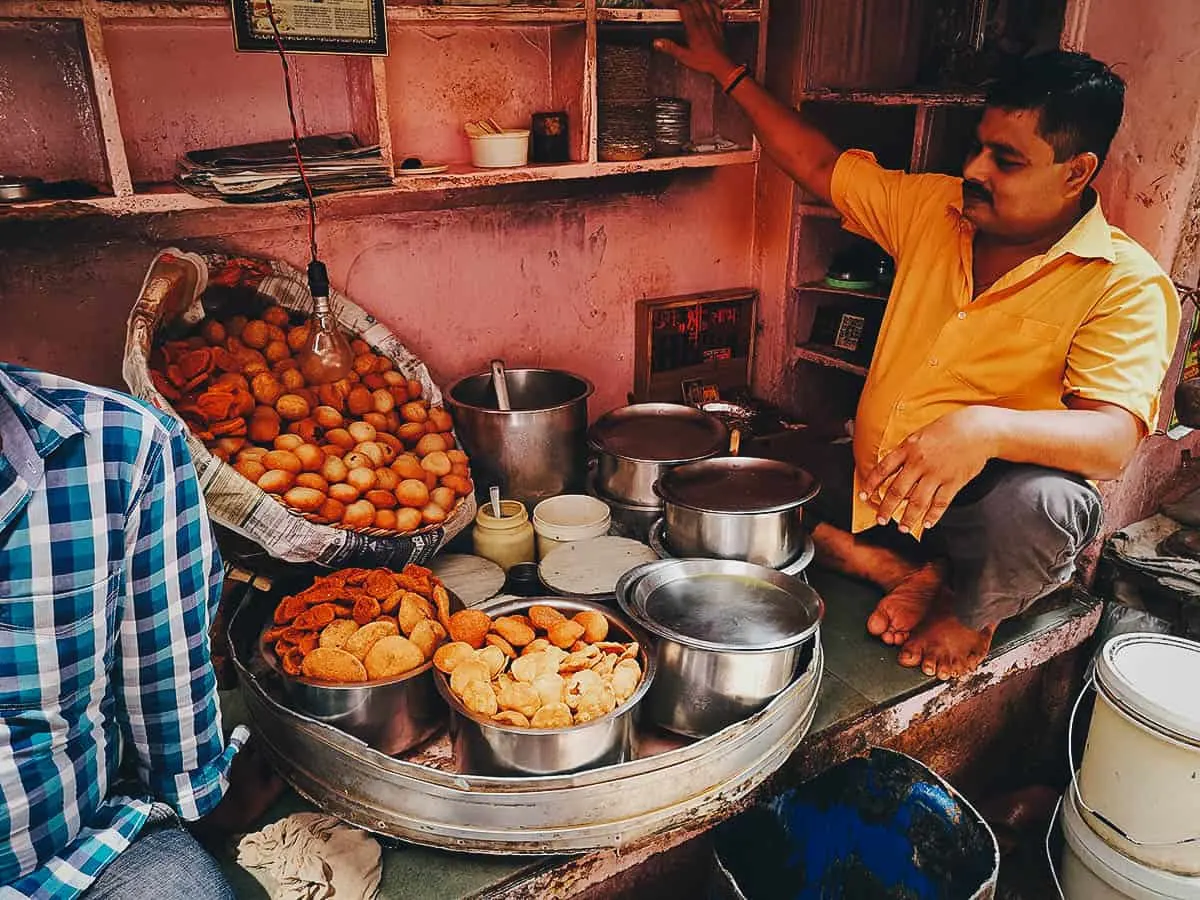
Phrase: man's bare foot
(906, 604)
(946, 648)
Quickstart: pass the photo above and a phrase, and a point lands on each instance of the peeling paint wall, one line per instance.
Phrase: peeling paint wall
(1149, 180)
(538, 283)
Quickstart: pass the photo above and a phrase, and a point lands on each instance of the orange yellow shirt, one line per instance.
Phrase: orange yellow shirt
(1094, 317)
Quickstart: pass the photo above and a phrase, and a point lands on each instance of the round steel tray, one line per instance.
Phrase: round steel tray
(420, 798)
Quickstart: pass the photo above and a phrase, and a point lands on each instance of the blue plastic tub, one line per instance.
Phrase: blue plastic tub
(879, 827)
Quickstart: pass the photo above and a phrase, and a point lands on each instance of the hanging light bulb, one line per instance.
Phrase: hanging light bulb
(326, 355)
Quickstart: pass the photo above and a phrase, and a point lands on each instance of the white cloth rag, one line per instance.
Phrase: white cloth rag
(311, 856)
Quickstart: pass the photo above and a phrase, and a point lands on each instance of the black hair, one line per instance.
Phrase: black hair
(1079, 100)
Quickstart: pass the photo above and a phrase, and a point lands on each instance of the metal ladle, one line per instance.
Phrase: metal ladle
(500, 383)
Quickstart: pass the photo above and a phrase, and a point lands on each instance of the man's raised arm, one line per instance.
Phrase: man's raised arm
(796, 147)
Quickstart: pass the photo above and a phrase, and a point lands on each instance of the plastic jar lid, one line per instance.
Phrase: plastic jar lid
(1153, 677)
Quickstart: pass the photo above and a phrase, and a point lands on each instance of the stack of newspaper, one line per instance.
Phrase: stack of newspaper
(259, 173)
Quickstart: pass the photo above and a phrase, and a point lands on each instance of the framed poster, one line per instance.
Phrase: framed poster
(312, 26)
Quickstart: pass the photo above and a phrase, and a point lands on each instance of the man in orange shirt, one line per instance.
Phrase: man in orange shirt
(1020, 357)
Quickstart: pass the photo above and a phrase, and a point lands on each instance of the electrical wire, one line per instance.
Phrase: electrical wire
(287, 84)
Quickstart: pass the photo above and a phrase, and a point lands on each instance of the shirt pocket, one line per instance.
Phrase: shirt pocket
(55, 647)
(1010, 356)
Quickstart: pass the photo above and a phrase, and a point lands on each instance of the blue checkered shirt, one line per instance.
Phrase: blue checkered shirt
(108, 580)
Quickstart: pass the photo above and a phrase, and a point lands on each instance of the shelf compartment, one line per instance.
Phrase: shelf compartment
(826, 356)
(712, 113)
(213, 96)
(51, 122)
(887, 132)
(949, 135)
(438, 79)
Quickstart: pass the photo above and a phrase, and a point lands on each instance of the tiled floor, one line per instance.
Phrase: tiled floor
(860, 674)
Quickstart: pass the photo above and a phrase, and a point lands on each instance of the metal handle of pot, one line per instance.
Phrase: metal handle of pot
(500, 382)
(1078, 795)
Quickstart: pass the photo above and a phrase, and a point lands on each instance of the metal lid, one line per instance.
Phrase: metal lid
(1153, 677)
(659, 432)
(737, 484)
(721, 604)
(590, 568)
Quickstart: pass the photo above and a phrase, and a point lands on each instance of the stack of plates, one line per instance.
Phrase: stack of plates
(623, 72)
(626, 114)
(626, 131)
(672, 125)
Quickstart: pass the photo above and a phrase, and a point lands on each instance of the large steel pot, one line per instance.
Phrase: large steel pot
(738, 508)
(489, 748)
(730, 636)
(537, 448)
(635, 445)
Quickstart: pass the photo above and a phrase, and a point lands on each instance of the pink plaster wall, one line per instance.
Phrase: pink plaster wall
(1155, 159)
(182, 86)
(552, 283)
(1148, 179)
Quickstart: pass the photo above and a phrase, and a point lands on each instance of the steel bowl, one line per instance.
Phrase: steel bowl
(483, 747)
(738, 508)
(729, 637)
(391, 715)
(635, 445)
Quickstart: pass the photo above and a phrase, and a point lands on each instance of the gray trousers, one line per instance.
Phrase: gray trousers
(1011, 536)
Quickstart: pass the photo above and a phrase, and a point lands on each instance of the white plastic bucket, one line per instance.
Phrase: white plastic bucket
(569, 517)
(1092, 870)
(1139, 781)
(507, 149)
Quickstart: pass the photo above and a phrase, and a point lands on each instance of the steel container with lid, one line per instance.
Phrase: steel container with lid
(737, 507)
(1138, 787)
(635, 445)
(729, 637)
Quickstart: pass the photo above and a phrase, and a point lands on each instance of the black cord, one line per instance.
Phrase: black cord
(287, 84)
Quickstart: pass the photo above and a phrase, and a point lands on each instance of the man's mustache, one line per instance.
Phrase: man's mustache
(976, 191)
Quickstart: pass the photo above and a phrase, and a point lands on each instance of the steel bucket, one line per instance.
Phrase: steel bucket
(535, 450)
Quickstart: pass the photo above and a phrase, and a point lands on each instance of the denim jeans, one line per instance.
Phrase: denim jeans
(165, 863)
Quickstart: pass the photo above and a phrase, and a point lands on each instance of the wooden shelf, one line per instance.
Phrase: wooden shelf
(897, 98)
(664, 16)
(820, 287)
(668, 163)
(425, 13)
(487, 15)
(169, 199)
(827, 356)
(817, 211)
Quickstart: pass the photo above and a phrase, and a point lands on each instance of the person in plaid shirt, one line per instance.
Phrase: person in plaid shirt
(108, 579)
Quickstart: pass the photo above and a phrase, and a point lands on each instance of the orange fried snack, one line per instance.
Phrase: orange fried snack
(350, 611)
(329, 664)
